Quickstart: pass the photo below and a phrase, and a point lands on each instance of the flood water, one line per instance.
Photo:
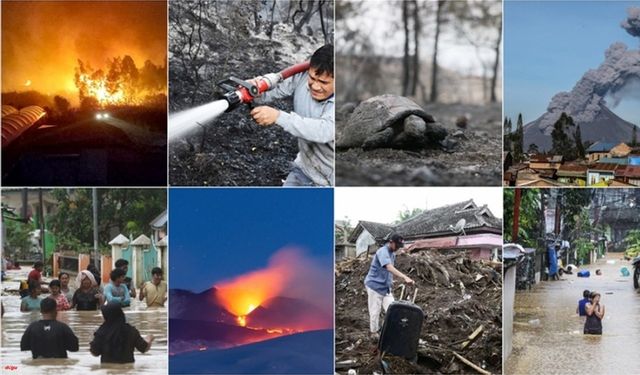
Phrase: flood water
(548, 336)
(84, 324)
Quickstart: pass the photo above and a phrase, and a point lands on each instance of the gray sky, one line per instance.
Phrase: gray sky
(381, 204)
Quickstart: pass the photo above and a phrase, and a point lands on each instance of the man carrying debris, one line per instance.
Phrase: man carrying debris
(312, 120)
(379, 280)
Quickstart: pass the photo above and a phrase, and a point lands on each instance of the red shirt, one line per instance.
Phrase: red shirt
(34, 275)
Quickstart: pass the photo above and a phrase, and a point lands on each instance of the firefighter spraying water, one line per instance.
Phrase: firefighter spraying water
(237, 92)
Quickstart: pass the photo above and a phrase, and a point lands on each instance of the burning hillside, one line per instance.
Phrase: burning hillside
(457, 295)
(288, 296)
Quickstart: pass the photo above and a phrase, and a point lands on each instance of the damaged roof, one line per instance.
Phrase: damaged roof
(436, 222)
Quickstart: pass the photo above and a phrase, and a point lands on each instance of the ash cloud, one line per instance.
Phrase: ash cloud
(632, 23)
(614, 79)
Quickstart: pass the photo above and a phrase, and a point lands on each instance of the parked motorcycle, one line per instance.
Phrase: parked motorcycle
(636, 272)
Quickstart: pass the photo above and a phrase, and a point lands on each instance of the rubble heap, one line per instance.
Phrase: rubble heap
(459, 296)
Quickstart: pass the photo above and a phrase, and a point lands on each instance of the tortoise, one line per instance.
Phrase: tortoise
(388, 121)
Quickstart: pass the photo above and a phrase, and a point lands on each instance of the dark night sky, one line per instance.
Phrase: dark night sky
(216, 234)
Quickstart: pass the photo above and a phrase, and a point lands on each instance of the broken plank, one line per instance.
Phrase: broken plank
(472, 337)
(467, 362)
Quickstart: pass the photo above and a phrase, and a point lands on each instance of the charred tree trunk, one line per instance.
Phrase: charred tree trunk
(494, 77)
(434, 63)
(405, 61)
(324, 28)
(416, 49)
(306, 15)
(270, 29)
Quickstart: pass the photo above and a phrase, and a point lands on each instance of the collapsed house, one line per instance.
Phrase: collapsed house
(463, 225)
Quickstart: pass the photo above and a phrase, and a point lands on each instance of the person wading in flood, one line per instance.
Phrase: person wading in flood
(116, 340)
(116, 290)
(49, 338)
(155, 291)
(379, 280)
(88, 296)
(32, 301)
(595, 313)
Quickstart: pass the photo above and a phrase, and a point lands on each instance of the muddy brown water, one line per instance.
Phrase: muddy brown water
(556, 344)
(84, 324)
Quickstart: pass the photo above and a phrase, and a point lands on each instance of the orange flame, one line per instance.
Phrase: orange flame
(245, 293)
(242, 321)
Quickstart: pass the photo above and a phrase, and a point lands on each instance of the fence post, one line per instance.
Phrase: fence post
(117, 244)
(163, 256)
(139, 244)
(56, 264)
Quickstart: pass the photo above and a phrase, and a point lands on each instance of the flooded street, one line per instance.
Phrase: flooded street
(548, 336)
(84, 324)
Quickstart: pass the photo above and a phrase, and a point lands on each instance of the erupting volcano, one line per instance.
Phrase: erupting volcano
(589, 100)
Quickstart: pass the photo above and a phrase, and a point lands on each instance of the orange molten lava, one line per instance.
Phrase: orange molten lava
(242, 321)
(243, 294)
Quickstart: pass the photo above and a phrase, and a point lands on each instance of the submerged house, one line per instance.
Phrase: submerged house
(463, 225)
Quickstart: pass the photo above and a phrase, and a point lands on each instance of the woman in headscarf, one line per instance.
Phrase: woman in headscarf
(116, 340)
(88, 296)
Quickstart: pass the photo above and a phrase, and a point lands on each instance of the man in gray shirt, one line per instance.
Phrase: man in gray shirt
(380, 278)
(312, 120)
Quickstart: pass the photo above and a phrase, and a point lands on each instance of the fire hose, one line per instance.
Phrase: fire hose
(241, 91)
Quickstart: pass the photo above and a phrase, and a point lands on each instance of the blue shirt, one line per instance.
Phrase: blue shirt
(582, 309)
(31, 303)
(379, 278)
(117, 294)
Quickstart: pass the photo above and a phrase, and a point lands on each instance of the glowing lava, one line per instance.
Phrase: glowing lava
(242, 321)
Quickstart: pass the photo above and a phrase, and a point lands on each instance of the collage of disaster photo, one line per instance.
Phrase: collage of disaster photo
(351, 187)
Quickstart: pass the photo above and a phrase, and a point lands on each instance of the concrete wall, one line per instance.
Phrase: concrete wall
(508, 301)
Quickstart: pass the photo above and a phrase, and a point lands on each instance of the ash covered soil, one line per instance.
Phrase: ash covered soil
(472, 157)
(233, 150)
(457, 295)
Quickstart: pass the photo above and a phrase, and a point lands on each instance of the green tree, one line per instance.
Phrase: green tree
(580, 151)
(533, 149)
(128, 211)
(561, 143)
(18, 241)
(407, 214)
(518, 140)
(634, 137)
(508, 129)
(530, 226)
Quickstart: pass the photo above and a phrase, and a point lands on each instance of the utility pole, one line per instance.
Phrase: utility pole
(41, 214)
(95, 227)
(516, 216)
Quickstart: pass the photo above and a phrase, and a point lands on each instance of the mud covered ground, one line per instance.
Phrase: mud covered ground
(232, 150)
(472, 157)
(457, 295)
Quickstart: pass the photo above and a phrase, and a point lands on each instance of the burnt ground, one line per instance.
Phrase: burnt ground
(235, 152)
(457, 295)
(472, 157)
(232, 150)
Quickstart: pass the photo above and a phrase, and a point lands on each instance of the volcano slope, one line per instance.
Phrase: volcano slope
(457, 295)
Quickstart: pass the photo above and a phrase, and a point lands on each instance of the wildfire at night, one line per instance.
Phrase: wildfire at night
(50, 47)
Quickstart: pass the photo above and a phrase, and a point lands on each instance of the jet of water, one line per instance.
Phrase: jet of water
(182, 122)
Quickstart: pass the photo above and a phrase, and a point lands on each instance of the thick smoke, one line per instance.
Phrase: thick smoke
(632, 23)
(613, 78)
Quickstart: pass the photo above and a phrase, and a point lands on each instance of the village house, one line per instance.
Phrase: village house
(463, 226)
(599, 150)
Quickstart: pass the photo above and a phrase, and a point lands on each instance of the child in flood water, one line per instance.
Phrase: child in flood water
(56, 294)
(583, 302)
(32, 301)
(116, 340)
(595, 313)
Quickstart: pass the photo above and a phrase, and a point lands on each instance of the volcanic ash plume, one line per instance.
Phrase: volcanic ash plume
(613, 79)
